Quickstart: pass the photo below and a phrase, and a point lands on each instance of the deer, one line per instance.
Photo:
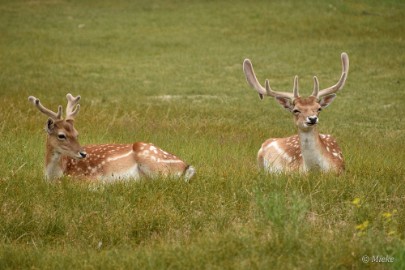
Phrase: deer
(308, 150)
(64, 156)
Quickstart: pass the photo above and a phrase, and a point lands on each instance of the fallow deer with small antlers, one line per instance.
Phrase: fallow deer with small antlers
(104, 162)
(308, 150)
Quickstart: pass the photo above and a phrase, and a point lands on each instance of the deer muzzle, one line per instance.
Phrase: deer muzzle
(312, 120)
(82, 154)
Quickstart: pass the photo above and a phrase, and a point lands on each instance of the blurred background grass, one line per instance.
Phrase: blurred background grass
(170, 72)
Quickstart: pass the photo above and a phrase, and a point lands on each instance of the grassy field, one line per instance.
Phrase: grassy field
(170, 72)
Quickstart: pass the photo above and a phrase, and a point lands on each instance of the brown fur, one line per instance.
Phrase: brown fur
(65, 156)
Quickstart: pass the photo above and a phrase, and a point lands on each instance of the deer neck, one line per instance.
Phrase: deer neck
(54, 165)
(311, 150)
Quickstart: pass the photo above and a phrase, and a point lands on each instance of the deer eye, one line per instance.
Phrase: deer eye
(320, 109)
(61, 137)
(296, 111)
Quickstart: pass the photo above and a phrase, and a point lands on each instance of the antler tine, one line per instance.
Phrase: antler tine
(72, 107)
(254, 83)
(295, 90)
(339, 85)
(269, 91)
(251, 78)
(316, 87)
(41, 108)
(273, 93)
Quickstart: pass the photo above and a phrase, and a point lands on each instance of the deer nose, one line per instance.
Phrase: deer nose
(83, 154)
(313, 119)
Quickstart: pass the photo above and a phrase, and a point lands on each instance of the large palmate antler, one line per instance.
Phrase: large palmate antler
(254, 83)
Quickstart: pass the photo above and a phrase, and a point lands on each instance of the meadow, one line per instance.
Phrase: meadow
(170, 72)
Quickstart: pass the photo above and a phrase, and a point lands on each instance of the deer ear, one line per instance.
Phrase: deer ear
(326, 100)
(50, 125)
(286, 103)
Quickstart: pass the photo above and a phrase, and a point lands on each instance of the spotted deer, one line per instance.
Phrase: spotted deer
(104, 162)
(309, 150)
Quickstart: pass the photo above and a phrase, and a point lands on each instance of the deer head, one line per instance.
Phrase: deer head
(305, 110)
(62, 136)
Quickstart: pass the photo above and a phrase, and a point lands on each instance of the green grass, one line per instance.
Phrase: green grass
(123, 56)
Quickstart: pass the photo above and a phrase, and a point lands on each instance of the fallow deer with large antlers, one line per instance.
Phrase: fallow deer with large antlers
(105, 162)
(308, 150)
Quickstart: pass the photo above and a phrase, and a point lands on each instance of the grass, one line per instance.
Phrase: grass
(170, 72)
